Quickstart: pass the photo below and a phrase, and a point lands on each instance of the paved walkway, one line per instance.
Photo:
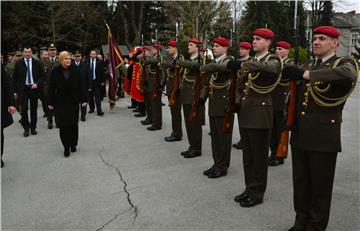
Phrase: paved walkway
(124, 177)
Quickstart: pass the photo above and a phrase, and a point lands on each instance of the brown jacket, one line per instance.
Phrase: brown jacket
(281, 91)
(216, 87)
(317, 127)
(187, 81)
(256, 108)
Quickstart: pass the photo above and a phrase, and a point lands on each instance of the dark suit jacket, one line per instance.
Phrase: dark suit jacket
(66, 94)
(317, 128)
(7, 98)
(99, 73)
(19, 75)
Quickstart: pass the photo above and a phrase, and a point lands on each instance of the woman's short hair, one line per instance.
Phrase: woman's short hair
(63, 55)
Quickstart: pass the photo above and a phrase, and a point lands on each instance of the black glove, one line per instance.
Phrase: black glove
(236, 108)
(202, 101)
(234, 65)
(293, 73)
(195, 66)
(161, 88)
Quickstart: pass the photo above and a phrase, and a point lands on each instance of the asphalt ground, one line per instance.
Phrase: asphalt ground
(124, 177)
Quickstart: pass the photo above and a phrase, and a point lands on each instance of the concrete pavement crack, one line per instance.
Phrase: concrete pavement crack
(130, 202)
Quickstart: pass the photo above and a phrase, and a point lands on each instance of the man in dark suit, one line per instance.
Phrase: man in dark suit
(7, 105)
(325, 83)
(28, 74)
(84, 71)
(259, 77)
(97, 76)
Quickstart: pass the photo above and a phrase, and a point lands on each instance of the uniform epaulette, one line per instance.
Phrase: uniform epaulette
(345, 59)
(307, 62)
(272, 56)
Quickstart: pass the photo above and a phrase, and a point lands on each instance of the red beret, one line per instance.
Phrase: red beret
(283, 44)
(131, 51)
(157, 46)
(222, 41)
(147, 48)
(264, 33)
(194, 40)
(245, 45)
(327, 30)
(171, 43)
(138, 50)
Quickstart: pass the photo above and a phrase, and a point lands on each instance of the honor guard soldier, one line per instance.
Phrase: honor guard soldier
(136, 91)
(49, 64)
(279, 96)
(187, 91)
(244, 51)
(10, 65)
(326, 82)
(259, 77)
(171, 81)
(153, 87)
(216, 88)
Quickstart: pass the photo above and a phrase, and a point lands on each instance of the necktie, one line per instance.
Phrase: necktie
(28, 73)
(318, 62)
(93, 69)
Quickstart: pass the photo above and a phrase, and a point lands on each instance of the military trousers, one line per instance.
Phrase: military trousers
(313, 178)
(176, 119)
(193, 129)
(148, 106)
(220, 143)
(156, 111)
(255, 159)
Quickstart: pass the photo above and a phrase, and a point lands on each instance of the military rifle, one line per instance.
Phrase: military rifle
(229, 114)
(155, 91)
(197, 86)
(282, 149)
(176, 84)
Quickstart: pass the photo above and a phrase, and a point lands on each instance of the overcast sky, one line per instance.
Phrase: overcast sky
(346, 5)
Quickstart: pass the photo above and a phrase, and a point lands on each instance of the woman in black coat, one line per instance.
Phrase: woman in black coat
(67, 89)
(7, 105)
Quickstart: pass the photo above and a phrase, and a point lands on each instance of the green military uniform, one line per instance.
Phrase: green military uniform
(315, 137)
(153, 108)
(10, 66)
(217, 89)
(238, 145)
(168, 81)
(279, 95)
(259, 77)
(194, 128)
(48, 66)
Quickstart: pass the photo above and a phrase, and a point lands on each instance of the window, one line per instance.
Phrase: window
(354, 39)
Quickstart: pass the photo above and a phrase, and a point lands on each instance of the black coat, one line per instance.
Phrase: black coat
(84, 72)
(7, 98)
(19, 75)
(99, 72)
(66, 94)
